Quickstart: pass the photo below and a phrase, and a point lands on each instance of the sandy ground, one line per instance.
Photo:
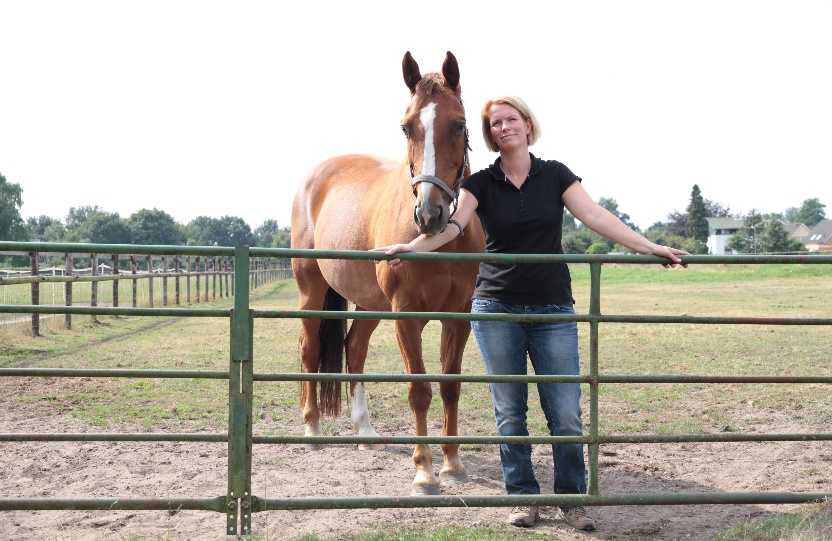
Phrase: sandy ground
(108, 469)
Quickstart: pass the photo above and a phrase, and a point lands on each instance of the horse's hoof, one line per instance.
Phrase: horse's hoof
(425, 490)
(313, 446)
(449, 478)
(370, 446)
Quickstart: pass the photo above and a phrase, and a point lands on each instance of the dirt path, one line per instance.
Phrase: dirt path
(109, 469)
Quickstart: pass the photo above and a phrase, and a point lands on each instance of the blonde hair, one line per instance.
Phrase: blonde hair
(524, 110)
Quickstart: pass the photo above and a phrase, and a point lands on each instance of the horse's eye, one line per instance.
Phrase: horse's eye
(460, 129)
(404, 130)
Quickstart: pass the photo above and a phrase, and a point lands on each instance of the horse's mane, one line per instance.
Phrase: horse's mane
(434, 83)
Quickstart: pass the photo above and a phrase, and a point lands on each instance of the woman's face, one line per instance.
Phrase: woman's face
(509, 129)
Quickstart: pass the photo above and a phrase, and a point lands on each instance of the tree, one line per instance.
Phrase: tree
(12, 226)
(283, 239)
(92, 224)
(154, 227)
(265, 233)
(612, 205)
(225, 231)
(696, 226)
(790, 215)
(676, 223)
(773, 238)
(569, 223)
(660, 234)
(574, 243)
(745, 240)
(598, 248)
(811, 212)
(78, 216)
(45, 229)
(106, 228)
(237, 232)
(716, 210)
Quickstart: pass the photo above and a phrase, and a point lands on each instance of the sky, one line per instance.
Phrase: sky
(206, 108)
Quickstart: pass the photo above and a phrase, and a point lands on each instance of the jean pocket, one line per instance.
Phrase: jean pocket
(481, 305)
(560, 308)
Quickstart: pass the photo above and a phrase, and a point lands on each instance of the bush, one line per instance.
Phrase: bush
(598, 248)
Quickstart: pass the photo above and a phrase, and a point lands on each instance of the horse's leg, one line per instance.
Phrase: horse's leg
(419, 394)
(358, 341)
(312, 289)
(454, 337)
(309, 348)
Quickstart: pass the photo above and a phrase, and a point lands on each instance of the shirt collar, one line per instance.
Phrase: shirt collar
(498, 174)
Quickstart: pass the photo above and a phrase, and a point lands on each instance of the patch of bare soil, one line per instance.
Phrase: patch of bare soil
(108, 469)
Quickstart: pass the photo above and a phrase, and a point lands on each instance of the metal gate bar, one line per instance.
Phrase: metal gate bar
(239, 503)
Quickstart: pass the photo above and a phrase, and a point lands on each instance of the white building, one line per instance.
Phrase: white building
(719, 231)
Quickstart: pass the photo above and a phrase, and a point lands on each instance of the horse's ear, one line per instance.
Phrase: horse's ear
(450, 70)
(410, 69)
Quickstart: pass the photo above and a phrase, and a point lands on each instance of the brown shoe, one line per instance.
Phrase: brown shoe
(523, 516)
(578, 518)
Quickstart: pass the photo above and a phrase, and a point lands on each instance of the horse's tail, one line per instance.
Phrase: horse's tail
(331, 357)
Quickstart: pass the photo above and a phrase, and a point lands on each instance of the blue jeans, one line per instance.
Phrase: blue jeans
(553, 350)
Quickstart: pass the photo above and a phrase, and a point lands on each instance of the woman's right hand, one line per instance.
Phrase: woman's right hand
(392, 250)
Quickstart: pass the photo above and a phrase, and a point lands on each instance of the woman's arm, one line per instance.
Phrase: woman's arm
(466, 206)
(603, 222)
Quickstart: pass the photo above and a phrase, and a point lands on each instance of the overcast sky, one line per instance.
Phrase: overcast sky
(205, 108)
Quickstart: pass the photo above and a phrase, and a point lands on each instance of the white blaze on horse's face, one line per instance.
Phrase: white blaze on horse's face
(431, 210)
(428, 116)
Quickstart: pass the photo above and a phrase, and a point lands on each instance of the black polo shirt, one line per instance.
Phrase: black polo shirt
(527, 220)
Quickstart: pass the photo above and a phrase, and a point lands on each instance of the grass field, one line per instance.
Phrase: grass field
(202, 343)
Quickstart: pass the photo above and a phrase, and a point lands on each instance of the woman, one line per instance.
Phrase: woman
(519, 200)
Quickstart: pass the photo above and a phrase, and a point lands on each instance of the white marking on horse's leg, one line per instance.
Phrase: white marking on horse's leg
(428, 116)
(361, 417)
(313, 429)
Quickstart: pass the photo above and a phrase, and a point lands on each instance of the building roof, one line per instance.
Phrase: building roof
(724, 223)
(821, 233)
(792, 227)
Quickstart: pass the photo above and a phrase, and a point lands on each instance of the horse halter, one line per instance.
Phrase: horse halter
(452, 193)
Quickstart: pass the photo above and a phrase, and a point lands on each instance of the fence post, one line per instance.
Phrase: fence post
(594, 310)
(164, 280)
(133, 269)
(225, 277)
(150, 279)
(177, 270)
(214, 278)
(240, 392)
(33, 259)
(198, 294)
(116, 282)
(188, 282)
(68, 292)
(219, 263)
(94, 285)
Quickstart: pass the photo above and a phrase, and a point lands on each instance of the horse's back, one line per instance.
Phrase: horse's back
(341, 194)
(338, 207)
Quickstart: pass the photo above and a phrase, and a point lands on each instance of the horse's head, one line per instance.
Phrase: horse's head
(437, 142)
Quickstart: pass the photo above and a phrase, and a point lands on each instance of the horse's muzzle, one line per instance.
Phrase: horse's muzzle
(431, 213)
(430, 221)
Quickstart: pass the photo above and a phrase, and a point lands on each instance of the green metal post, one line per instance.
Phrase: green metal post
(594, 309)
(240, 391)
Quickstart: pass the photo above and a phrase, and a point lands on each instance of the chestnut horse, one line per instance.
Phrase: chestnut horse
(358, 202)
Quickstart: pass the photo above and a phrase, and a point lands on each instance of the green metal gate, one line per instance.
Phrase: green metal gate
(239, 503)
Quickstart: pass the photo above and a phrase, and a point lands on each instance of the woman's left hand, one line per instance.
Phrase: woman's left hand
(669, 253)
(392, 250)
